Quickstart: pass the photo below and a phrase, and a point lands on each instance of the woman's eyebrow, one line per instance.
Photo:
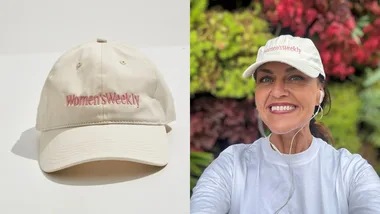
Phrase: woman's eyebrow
(265, 70)
(290, 69)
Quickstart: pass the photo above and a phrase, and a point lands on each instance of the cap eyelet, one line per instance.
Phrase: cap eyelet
(123, 62)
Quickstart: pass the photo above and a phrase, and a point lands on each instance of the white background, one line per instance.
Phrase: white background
(51, 26)
(33, 35)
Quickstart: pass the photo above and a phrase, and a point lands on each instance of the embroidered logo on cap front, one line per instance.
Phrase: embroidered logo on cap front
(103, 99)
(283, 48)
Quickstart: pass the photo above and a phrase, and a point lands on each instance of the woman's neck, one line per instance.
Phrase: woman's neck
(301, 142)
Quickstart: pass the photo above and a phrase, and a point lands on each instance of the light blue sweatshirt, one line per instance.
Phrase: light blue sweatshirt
(255, 179)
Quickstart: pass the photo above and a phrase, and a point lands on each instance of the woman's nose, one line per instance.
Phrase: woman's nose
(279, 89)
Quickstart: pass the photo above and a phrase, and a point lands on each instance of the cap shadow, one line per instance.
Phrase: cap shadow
(87, 174)
(27, 145)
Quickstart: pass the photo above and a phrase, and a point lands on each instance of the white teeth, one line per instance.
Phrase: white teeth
(282, 108)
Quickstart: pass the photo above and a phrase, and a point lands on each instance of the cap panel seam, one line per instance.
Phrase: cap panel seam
(156, 87)
(101, 75)
(47, 102)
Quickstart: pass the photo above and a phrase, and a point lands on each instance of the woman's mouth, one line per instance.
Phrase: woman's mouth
(282, 109)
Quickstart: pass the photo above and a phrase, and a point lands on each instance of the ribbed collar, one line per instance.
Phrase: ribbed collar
(293, 159)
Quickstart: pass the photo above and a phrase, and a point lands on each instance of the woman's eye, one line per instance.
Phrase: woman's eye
(296, 78)
(265, 79)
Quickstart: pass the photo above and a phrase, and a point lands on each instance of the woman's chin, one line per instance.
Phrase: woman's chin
(282, 129)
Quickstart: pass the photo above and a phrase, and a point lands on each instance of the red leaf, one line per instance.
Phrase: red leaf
(326, 56)
(311, 14)
(360, 56)
(330, 16)
(299, 11)
(337, 57)
(291, 11)
(377, 22)
(350, 23)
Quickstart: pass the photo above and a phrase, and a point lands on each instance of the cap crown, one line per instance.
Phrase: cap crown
(101, 83)
(292, 47)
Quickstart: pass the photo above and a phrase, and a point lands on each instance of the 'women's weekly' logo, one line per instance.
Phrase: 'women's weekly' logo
(103, 99)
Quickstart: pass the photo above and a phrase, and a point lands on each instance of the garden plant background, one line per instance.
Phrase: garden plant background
(225, 37)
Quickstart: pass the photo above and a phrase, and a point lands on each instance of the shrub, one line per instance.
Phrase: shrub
(343, 117)
(223, 45)
(214, 119)
(367, 32)
(370, 110)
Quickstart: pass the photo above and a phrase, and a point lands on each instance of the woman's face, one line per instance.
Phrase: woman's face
(285, 97)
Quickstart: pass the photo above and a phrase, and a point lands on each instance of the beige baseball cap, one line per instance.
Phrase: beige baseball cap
(300, 53)
(104, 101)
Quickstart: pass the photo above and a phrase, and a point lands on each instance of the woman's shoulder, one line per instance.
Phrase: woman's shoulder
(242, 148)
(351, 164)
(344, 155)
(358, 176)
(240, 152)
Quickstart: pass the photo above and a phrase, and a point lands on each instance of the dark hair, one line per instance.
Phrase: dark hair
(317, 129)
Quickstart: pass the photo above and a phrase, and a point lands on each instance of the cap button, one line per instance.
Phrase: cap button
(101, 40)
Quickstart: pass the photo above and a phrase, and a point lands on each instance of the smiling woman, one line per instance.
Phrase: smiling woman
(294, 169)
(285, 99)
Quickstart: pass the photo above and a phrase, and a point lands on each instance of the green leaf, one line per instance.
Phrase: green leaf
(372, 78)
(201, 155)
(363, 21)
(198, 162)
(195, 170)
(193, 182)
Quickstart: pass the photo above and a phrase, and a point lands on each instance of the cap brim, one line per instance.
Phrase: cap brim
(299, 64)
(63, 148)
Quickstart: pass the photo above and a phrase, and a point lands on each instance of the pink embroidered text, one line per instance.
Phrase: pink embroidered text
(283, 47)
(102, 99)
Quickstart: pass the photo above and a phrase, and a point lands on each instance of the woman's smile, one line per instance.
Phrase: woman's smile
(281, 108)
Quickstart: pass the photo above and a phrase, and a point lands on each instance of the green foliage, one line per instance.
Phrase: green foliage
(198, 162)
(343, 117)
(358, 33)
(373, 78)
(223, 45)
(197, 9)
(370, 110)
(377, 169)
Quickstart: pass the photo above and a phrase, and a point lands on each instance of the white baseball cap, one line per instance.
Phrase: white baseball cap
(103, 101)
(300, 53)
